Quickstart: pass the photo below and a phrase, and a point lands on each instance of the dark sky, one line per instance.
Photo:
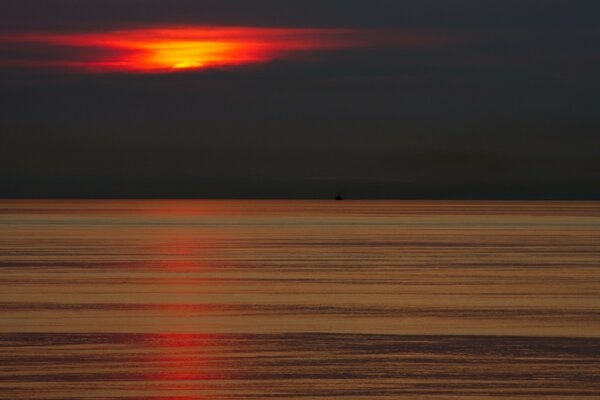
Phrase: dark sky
(505, 105)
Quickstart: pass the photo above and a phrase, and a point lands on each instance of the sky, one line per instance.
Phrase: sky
(300, 99)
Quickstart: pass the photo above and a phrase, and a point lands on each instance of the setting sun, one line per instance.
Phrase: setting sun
(179, 48)
(186, 54)
(165, 49)
(188, 65)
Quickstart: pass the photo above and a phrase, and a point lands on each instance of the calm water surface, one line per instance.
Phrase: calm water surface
(182, 300)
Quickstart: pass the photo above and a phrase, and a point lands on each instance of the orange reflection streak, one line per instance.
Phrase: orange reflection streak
(189, 359)
(187, 48)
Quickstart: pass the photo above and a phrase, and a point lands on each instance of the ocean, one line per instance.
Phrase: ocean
(199, 299)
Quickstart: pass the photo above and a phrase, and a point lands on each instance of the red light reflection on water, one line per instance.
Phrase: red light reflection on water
(183, 363)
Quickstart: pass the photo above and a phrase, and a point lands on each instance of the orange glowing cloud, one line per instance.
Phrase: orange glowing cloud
(160, 50)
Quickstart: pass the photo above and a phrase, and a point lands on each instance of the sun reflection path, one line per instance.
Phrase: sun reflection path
(179, 365)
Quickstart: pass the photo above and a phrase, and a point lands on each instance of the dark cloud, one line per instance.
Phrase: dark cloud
(509, 110)
(461, 14)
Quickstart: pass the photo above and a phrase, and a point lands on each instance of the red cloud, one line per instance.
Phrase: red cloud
(180, 48)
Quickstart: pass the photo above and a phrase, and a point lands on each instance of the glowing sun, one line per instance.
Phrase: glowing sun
(188, 65)
(178, 48)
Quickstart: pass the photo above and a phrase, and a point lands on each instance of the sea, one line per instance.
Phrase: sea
(244, 299)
